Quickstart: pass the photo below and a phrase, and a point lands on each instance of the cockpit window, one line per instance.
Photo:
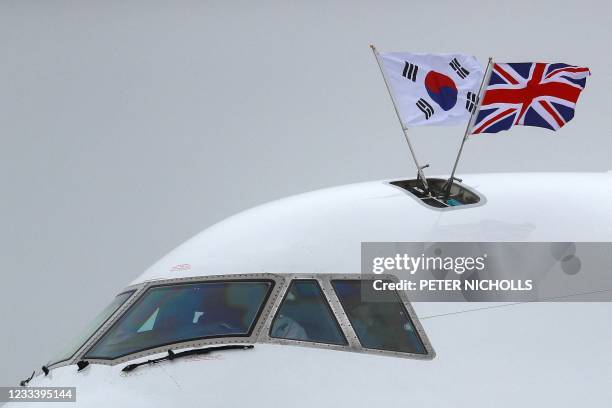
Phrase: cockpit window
(102, 317)
(178, 313)
(379, 318)
(305, 315)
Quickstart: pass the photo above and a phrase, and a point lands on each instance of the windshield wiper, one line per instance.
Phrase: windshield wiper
(25, 382)
(172, 355)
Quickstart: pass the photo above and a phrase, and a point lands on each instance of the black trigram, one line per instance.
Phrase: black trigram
(410, 71)
(471, 100)
(425, 108)
(462, 72)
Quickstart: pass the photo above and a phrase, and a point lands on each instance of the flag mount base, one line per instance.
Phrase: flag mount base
(441, 193)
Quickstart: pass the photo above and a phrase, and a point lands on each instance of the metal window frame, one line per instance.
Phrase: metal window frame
(261, 331)
(429, 351)
(345, 324)
(278, 281)
(327, 304)
(71, 359)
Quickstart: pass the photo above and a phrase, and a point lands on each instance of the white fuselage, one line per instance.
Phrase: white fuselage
(536, 354)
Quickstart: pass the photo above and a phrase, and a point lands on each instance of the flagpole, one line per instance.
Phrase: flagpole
(470, 124)
(404, 128)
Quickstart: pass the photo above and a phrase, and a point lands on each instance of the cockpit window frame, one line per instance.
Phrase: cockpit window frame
(260, 333)
(398, 299)
(119, 310)
(173, 344)
(141, 289)
(327, 304)
(354, 345)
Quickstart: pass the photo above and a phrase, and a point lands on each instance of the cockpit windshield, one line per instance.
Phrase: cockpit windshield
(177, 313)
(82, 337)
(379, 318)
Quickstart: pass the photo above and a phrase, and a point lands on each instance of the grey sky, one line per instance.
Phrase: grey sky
(127, 127)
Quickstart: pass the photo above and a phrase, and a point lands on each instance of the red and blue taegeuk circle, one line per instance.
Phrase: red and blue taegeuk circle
(441, 89)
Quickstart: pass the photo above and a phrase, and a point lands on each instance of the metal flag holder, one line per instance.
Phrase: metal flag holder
(420, 175)
(485, 79)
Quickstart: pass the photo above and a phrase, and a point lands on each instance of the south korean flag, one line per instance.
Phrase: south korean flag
(433, 89)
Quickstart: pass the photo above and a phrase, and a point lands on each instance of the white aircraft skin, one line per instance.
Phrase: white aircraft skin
(528, 355)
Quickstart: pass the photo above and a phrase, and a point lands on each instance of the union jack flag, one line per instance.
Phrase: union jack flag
(530, 94)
